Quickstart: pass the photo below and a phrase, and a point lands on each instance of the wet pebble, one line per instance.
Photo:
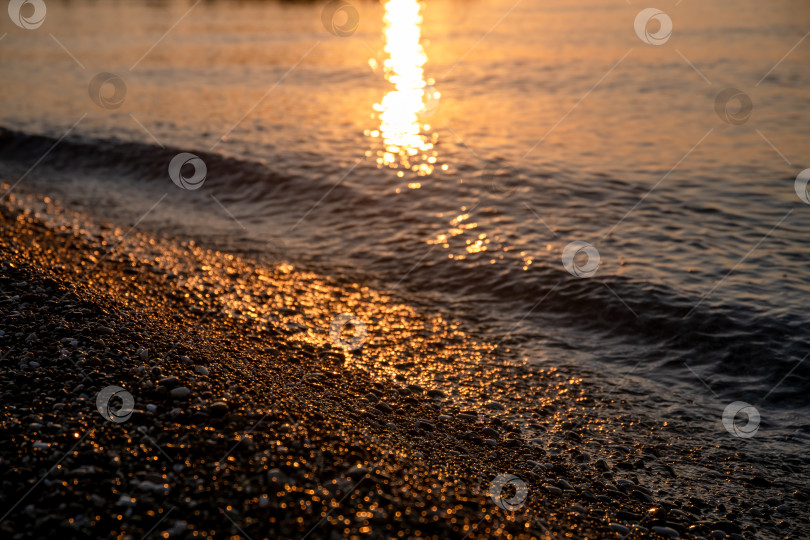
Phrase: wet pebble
(494, 406)
(180, 392)
(217, 409)
(666, 531)
(383, 407)
(565, 485)
(578, 509)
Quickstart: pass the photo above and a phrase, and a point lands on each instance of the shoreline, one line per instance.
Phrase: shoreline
(249, 420)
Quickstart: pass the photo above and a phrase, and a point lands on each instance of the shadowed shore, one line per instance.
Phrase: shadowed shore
(249, 420)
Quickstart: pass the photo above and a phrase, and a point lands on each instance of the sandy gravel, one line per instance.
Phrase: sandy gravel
(250, 419)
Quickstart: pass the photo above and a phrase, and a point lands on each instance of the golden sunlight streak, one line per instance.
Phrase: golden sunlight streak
(406, 143)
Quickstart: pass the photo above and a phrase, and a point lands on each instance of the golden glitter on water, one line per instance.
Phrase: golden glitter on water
(408, 144)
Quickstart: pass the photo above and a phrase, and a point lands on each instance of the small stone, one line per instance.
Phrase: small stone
(553, 490)
(105, 331)
(728, 527)
(436, 394)
(202, 370)
(424, 425)
(666, 531)
(565, 485)
(619, 528)
(169, 381)
(383, 407)
(180, 392)
(220, 408)
(494, 406)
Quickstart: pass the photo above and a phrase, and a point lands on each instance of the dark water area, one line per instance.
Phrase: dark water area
(557, 124)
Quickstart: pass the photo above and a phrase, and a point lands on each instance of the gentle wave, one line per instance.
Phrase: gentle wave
(731, 345)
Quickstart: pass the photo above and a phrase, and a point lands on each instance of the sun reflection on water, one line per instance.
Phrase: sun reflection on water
(407, 142)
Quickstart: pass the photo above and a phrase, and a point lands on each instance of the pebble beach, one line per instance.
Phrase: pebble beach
(248, 419)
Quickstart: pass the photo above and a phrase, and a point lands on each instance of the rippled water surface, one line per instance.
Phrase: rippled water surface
(542, 123)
